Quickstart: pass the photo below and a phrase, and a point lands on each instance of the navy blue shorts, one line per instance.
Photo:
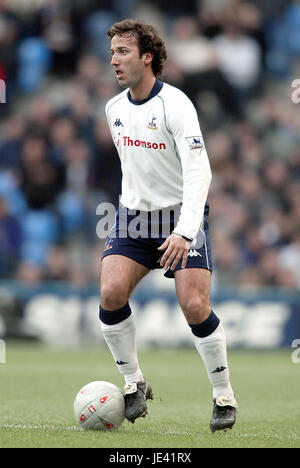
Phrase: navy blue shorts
(138, 234)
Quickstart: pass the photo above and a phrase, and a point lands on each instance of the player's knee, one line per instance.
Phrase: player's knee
(113, 297)
(196, 309)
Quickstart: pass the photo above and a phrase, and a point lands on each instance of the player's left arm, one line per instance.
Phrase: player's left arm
(196, 175)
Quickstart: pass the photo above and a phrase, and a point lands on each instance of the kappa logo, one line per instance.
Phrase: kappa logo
(194, 253)
(219, 369)
(152, 125)
(118, 123)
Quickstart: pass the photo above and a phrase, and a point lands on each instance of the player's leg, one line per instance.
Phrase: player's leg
(193, 292)
(119, 276)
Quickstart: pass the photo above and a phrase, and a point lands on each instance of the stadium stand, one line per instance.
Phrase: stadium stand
(235, 60)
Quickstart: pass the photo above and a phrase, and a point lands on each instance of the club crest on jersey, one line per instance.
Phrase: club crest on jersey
(195, 142)
(152, 125)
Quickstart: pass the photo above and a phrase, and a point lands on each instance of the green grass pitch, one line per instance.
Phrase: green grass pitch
(38, 386)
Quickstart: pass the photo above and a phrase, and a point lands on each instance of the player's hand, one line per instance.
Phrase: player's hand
(176, 247)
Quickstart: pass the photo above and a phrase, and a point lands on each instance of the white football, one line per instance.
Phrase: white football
(99, 406)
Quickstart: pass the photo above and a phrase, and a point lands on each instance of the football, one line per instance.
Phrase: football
(99, 406)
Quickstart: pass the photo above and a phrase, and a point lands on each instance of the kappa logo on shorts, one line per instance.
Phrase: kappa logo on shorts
(194, 253)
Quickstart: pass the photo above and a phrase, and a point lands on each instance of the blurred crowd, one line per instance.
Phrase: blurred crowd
(235, 59)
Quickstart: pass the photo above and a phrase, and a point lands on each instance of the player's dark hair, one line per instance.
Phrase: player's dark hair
(148, 40)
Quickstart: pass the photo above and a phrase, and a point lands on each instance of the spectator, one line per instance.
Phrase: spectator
(78, 167)
(79, 110)
(10, 146)
(107, 173)
(34, 62)
(197, 57)
(58, 32)
(40, 114)
(29, 273)
(61, 133)
(289, 258)
(10, 240)
(41, 181)
(57, 264)
(240, 59)
(192, 51)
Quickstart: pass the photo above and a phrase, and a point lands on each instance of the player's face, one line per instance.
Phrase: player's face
(129, 66)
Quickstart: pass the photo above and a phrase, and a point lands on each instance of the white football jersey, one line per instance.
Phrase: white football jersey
(163, 157)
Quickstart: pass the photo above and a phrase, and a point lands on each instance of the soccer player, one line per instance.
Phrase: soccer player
(165, 169)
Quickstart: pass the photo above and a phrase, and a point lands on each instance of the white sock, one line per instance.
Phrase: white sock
(120, 339)
(212, 349)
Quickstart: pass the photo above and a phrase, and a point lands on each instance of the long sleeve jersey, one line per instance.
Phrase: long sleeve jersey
(163, 158)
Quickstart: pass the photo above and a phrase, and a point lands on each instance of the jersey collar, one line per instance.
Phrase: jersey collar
(155, 90)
